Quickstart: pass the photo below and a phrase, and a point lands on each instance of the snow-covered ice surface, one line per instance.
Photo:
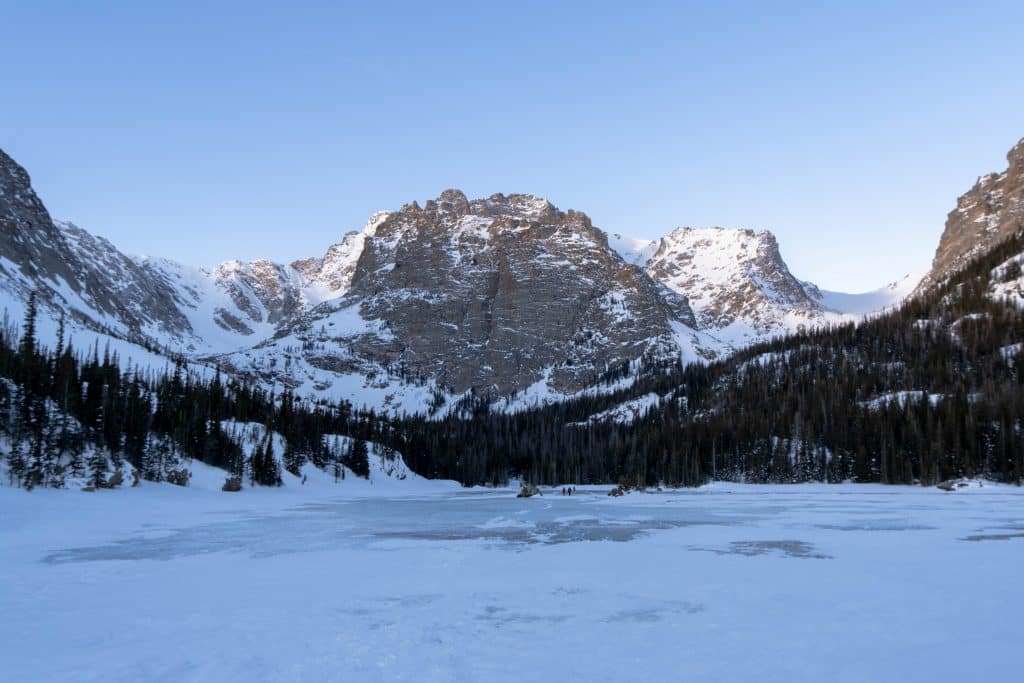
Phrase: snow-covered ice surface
(724, 583)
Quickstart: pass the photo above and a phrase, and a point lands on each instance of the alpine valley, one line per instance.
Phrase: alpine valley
(504, 337)
(506, 297)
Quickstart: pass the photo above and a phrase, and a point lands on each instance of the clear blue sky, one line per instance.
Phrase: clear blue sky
(208, 131)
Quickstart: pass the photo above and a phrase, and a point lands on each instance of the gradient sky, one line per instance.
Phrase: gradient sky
(209, 131)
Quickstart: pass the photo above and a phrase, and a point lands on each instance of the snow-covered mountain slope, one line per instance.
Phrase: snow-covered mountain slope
(242, 304)
(1008, 281)
(489, 296)
(154, 304)
(387, 468)
(109, 302)
(73, 271)
(866, 303)
(741, 290)
(330, 277)
(625, 412)
(631, 249)
(505, 297)
(737, 284)
(420, 307)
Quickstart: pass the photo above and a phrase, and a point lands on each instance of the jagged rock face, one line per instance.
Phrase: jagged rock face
(74, 271)
(494, 294)
(331, 276)
(733, 277)
(30, 240)
(130, 291)
(488, 294)
(987, 214)
(153, 302)
(265, 291)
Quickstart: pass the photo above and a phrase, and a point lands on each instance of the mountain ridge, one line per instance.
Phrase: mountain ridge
(495, 296)
(991, 211)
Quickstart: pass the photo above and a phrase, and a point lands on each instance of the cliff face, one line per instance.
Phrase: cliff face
(497, 294)
(75, 272)
(737, 284)
(494, 295)
(988, 213)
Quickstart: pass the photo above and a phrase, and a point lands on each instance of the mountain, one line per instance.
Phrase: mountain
(924, 393)
(493, 296)
(152, 303)
(535, 345)
(505, 297)
(108, 302)
(988, 213)
(737, 283)
(74, 271)
(740, 288)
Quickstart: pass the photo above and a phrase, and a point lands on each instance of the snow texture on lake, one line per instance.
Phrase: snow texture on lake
(724, 583)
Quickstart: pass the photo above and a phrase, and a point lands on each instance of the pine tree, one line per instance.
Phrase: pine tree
(256, 465)
(293, 459)
(273, 467)
(16, 465)
(357, 459)
(97, 469)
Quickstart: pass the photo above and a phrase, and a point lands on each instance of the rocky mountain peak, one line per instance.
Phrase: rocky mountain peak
(331, 275)
(16, 186)
(734, 279)
(29, 234)
(1016, 157)
(521, 206)
(74, 271)
(988, 213)
(495, 295)
(450, 203)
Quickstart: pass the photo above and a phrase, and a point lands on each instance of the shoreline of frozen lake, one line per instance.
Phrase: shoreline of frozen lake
(726, 582)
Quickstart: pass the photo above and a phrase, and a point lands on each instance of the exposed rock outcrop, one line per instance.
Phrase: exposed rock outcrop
(528, 491)
(76, 272)
(736, 282)
(506, 297)
(988, 213)
(491, 294)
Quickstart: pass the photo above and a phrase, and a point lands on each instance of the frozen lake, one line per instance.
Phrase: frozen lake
(731, 583)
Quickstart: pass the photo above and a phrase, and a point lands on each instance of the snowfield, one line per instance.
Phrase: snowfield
(424, 581)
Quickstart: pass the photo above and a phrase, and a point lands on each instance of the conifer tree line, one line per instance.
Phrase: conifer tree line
(928, 392)
(71, 412)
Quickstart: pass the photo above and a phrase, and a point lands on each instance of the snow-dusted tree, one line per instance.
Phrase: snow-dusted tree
(358, 460)
(273, 467)
(76, 463)
(293, 459)
(16, 464)
(97, 468)
(264, 469)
